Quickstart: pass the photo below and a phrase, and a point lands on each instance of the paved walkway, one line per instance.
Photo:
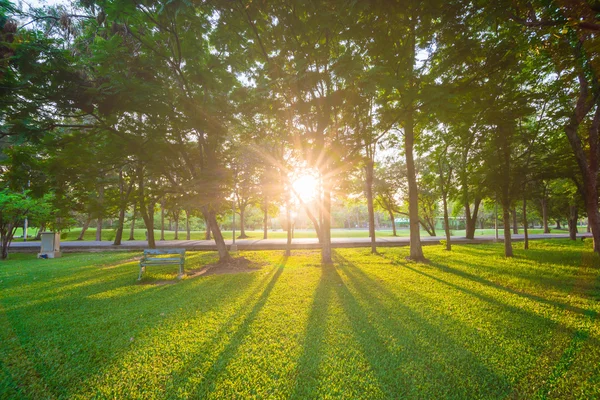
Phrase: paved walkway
(274, 244)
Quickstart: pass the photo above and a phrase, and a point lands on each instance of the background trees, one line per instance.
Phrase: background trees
(207, 102)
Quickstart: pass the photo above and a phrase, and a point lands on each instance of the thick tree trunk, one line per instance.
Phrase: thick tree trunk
(515, 225)
(588, 166)
(188, 235)
(85, 227)
(99, 222)
(148, 217)
(266, 218)
(393, 222)
(326, 256)
(573, 217)
(119, 233)
(242, 222)
(416, 251)
(6, 239)
(207, 235)
(124, 198)
(471, 219)
(503, 136)
(558, 224)
(147, 210)
(369, 193)
(525, 232)
(508, 250)
(211, 217)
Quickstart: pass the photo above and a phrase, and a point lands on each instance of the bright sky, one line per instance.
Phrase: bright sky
(38, 3)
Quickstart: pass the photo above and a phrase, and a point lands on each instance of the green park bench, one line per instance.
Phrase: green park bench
(157, 257)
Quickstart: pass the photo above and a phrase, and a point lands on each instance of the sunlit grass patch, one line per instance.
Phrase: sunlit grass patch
(468, 324)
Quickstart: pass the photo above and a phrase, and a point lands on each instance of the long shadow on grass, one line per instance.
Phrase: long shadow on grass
(548, 257)
(63, 325)
(430, 362)
(307, 381)
(563, 357)
(565, 287)
(209, 378)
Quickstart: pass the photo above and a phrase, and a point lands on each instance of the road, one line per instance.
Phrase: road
(273, 244)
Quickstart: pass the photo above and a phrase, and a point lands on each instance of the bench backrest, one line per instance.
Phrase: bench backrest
(156, 252)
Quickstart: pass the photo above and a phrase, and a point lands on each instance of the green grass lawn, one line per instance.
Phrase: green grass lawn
(470, 324)
(139, 234)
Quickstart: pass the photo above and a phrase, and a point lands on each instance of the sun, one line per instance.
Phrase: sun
(306, 186)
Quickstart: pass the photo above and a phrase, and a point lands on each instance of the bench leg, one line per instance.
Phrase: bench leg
(141, 271)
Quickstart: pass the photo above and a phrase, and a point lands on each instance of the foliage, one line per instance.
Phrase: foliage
(14, 208)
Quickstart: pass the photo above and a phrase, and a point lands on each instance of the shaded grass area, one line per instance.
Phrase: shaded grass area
(470, 324)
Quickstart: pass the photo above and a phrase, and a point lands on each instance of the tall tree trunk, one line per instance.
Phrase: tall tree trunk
(86, 225)
(266, 218)
(211, 218)
(525, 232)
(123, 199)
(588, 166)
(416, 251)
(393, 221)
(119, 233)
(504, 137)
(573, 217)
(99, 222)
(187, 225)
(207, 230)
(508, 250)
(162, 219)
(326, 256)
(148, 217)
(446, 219)
(558, 224)
(369, 192)
(514, 220)
(471, 218)
(147, 210)
(242, 222)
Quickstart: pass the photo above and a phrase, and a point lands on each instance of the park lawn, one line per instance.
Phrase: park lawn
(140, 234)
(470, 324)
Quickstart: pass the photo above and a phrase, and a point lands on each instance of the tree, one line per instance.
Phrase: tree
(14, 207)
(567, 34)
